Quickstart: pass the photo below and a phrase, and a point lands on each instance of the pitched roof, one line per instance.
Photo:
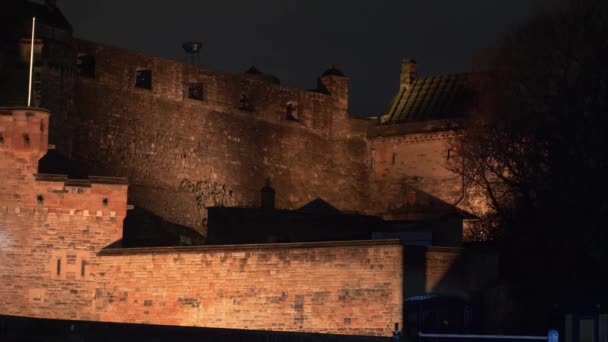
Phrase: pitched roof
(431, 98)
(333, 71)
(318, 206)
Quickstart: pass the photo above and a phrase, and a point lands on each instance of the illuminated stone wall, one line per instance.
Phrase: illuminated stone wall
(50, 227)
(52, 230)
(345, 288)
(182, 155)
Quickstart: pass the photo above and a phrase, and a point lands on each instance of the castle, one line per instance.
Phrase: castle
(179, 140)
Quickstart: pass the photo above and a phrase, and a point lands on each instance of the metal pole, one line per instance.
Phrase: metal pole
(29, 95)
(511, 337)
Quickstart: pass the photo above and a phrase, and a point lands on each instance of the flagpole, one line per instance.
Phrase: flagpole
(29, 95)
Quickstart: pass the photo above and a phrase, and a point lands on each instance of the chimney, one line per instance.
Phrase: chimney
(409, 70)
(267, 196)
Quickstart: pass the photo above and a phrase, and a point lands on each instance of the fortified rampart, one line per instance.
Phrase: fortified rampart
(182, 154)
(57, 261)
(60, 257)
(189, 138)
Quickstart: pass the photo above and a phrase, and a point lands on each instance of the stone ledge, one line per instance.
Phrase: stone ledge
(244, 247)
(86, 182)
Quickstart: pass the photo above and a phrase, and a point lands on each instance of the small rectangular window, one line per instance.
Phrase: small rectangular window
(82, 267)
(195, 91)
(143, 79)
(86, 65)
(58, 266)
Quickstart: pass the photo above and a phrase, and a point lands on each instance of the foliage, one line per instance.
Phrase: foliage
(536, 148)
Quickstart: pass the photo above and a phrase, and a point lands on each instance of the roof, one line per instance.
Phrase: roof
(333, 71)
(255, 72)
(319, 206)
(431, 98)
(54, 162)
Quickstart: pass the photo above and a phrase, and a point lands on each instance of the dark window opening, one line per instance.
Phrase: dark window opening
(245, 103)
(26, 140)
(58, 266)
(291, 112)
(195, 91)
(82, 268)
(1, 139)
(143, 79)
(104, 202)
(394, 157)
(40, 199)
(86, 66)
(449, 154)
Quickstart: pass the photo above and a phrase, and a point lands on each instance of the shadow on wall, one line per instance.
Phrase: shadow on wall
(144, 229)
(56, 163)
(13, 329)
(445, 287)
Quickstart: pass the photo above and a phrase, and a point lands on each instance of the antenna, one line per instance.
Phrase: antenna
(193, 52)
(29, 93)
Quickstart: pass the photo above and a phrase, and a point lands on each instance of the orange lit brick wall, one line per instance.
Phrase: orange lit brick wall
(344, 288)
(182, 155)
(51, 228)
(418, 160)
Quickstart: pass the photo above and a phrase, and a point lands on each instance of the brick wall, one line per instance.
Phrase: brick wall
(418, 160)
(52, 230)
(346, 288)
(50, 227)
(207, 153)
(449, 271)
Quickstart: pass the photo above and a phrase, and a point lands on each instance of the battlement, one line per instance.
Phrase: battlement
(24, 130)
(95, 196)
(23, 141)
(252, 93)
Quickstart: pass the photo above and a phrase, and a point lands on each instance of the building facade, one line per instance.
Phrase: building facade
(187, 138)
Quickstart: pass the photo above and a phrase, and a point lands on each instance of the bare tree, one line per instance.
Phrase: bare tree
(536, 146)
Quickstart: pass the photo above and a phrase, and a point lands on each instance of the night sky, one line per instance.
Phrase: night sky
(297, 40)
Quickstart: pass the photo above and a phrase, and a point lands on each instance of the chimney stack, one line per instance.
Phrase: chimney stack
(267, 196)
(409, 71)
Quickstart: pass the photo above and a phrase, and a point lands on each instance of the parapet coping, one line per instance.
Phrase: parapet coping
(437, 248)
(87, 182)
(416, 127)
(198, 68)
(9, 110)
(246, 247)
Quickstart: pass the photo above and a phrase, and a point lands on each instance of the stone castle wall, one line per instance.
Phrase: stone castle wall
(344, 288)
(57, 261)
(60, 259)
(50, 228)
(419, 160)
(182, 155)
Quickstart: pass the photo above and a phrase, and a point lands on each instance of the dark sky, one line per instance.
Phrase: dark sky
(297, 40)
